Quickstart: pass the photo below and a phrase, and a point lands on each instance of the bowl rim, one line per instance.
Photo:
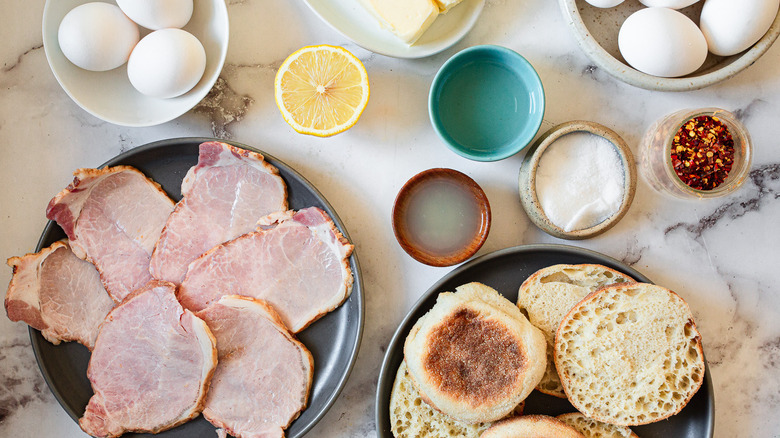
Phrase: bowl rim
(224, 18)
(631, 76)
(527, 179)
(471, 247)
(527, 74)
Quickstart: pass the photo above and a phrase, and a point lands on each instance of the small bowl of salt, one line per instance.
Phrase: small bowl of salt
(577, 180)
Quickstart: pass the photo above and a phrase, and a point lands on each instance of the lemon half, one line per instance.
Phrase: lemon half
(321, 90)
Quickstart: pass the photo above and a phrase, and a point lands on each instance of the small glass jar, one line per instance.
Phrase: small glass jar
(657, 154)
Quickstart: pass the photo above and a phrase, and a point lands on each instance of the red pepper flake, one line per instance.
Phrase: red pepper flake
(702, 159)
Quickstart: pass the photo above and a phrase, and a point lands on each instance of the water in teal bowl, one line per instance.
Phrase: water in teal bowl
(488, 103)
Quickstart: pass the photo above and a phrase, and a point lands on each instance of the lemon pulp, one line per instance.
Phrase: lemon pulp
(321, 90)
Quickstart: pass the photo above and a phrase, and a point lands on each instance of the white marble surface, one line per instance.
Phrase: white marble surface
(721, 255)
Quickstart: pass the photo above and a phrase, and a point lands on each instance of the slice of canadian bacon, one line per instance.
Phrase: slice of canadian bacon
(264, 374)
(151, 366)
(299, 265)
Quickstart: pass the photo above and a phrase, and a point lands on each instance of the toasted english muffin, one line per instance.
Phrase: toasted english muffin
(531, 426)
(629, 354)
(410, 417)
(474, 356)
(595, 429)
(548, 295)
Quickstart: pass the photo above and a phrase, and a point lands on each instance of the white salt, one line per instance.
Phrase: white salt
(579, 181)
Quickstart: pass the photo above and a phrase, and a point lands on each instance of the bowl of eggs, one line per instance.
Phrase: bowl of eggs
(673, 45)
(136, 62)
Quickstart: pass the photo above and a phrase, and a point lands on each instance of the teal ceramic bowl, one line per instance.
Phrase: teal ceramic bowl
(486, 103)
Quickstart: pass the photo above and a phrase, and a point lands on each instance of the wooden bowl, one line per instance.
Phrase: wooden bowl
(527, 182)
(471, 211)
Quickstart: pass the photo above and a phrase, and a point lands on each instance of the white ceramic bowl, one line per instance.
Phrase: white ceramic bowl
(109, 95)
(597, 30)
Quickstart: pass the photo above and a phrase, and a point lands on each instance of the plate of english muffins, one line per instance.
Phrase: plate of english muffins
(546, 339)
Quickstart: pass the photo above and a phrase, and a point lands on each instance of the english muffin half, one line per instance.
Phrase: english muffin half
(410, 417)
(548, 295)
(474, 356)
(532, 426)
(595, 429)
(629, 354)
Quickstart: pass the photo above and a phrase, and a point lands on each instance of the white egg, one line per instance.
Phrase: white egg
(97, 36)
(731, 26)
(662, 42)
(158, 14)
(166, 63)
(674, 4)
(605, 3)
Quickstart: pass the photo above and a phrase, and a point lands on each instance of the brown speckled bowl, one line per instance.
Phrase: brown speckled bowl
(528, 179)
(400, 209)
(596, 30)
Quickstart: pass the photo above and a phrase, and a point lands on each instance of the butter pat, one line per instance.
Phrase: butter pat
(407, 19)
(446, 5)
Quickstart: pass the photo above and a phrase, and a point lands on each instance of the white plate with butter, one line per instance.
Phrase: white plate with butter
(351, 19)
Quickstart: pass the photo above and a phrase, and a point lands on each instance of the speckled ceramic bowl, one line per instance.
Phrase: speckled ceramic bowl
(597, 30)
(527, 182)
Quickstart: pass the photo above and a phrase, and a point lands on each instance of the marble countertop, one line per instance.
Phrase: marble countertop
(721, 255)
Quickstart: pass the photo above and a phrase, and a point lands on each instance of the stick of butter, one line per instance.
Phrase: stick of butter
(407, 19)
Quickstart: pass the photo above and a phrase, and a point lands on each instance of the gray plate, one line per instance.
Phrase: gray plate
(333, 340)
(504, 271)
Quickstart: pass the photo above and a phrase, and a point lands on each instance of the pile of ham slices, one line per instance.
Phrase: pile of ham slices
(189, 307)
